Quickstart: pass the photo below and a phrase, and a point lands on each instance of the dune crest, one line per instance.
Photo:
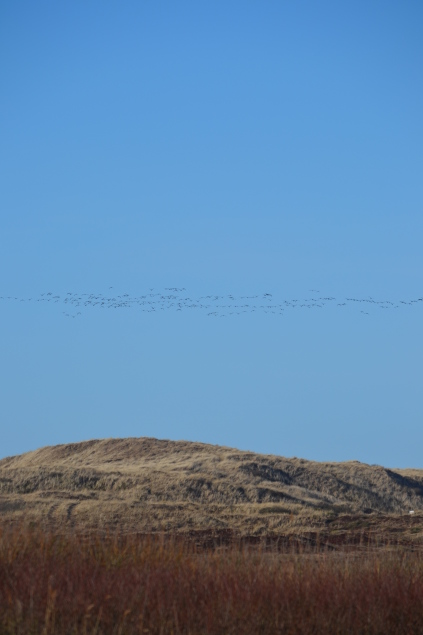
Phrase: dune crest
(147, 484)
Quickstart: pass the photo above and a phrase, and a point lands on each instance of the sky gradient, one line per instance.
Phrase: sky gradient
(227, 149)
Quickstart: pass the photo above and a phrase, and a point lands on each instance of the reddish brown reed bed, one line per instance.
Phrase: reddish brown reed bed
(53, 584)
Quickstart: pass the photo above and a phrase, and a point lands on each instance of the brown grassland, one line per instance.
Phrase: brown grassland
(150, 536)
(150, 485)
(53, 583)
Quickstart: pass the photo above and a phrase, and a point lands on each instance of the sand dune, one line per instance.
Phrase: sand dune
(146, 484)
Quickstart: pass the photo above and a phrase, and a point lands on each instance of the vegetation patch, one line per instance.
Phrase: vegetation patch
(92, 583)
(274, 509)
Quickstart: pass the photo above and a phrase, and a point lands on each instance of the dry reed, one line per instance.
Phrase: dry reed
(93, 584)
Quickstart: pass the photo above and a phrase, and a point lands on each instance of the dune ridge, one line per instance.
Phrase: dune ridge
(150, 485)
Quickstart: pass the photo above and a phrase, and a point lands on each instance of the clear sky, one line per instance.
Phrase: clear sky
(223, 148)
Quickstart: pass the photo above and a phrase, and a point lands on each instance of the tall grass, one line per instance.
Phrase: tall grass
(98, 585)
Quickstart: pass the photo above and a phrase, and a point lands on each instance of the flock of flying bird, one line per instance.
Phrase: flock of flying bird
(178, 299)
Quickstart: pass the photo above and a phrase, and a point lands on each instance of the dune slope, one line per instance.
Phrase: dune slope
(149, 485)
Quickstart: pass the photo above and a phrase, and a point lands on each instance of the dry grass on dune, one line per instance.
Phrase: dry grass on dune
(58, 584)
(153, 485)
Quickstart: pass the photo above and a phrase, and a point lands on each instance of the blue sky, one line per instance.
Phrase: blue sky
(229, 149)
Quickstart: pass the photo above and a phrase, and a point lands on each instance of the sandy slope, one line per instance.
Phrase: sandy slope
(145, 484)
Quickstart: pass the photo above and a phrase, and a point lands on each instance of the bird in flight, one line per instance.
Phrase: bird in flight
(211, 305)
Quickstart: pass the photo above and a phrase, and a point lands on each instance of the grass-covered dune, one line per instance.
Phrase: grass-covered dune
(138, 536)
(150, 485)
